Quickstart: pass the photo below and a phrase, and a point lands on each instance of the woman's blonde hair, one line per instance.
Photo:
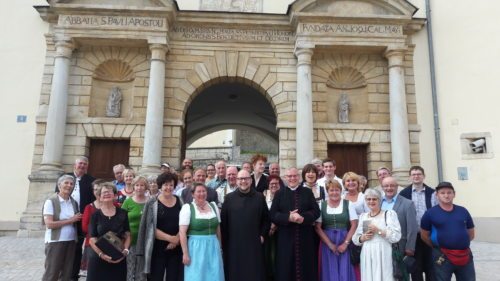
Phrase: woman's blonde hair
(351, 176)
(141, 178)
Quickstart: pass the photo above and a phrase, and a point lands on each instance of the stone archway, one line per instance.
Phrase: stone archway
(234, 104)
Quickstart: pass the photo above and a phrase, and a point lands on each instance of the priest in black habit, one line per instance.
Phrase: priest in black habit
(294, 211)
(244, 224)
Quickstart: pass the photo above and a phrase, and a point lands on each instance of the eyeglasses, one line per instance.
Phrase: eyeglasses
(371, 199)
(274, 183)
(244, 179)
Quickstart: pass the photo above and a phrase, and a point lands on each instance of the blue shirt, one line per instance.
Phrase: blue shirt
(448, 229)
(216, 183)
(388, 205)
(119, 185)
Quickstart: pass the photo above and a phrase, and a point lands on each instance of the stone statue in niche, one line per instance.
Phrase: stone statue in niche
(113, 107)
(343, 109)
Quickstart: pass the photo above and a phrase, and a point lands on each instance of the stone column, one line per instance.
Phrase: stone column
(42, 180)
(153, 135)
(56, 117)
(304, 131)
(400, 140)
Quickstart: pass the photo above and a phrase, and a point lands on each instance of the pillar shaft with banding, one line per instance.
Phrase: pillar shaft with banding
(304, 125)
(400, 140)
(153, 133)
(56, 117)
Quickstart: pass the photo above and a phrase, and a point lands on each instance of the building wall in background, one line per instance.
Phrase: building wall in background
(22, 54)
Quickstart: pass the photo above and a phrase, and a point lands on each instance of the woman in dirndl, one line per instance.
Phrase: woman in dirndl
(199, 233)
(335, 227)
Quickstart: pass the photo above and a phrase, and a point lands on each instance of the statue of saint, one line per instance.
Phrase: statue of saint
(113, 107)
(343, 109)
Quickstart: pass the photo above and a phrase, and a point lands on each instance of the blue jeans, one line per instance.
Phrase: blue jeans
(444, 271)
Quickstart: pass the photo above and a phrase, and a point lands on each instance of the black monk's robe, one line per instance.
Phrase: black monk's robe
(295, 251)
(244, 219)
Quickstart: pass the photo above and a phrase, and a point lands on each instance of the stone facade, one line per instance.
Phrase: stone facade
(162, 59)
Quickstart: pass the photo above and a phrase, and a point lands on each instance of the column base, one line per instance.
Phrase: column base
(147, 170)
(42, 185)
(401, 175)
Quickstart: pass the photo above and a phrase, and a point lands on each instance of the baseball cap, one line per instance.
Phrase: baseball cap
(444, 184)
(165, 165)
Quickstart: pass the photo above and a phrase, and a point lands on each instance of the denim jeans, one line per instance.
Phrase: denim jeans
(444, 271)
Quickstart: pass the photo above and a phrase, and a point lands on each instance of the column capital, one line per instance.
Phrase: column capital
(304, 55)
(395, 56)
(64, 48)
(158, 51)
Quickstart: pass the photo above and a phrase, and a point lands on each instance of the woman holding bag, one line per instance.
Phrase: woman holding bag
(109, 218)
(377, 231)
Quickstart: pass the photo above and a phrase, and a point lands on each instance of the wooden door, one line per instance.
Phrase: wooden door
(349, 157)
(104, 154)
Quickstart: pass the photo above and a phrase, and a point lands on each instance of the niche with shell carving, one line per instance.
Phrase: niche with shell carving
(108, 76)
(347, 82)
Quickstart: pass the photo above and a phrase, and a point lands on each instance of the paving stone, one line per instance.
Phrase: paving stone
(22, 259)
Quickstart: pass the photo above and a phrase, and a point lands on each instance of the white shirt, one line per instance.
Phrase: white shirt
(223, 191)
(338, 210)
(185, 214)
(68, 231)
(76, 191)
(360, 204)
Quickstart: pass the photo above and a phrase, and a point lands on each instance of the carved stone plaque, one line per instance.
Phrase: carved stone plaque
(246, 6)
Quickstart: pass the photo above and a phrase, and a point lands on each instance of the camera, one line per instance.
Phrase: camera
(478, 146)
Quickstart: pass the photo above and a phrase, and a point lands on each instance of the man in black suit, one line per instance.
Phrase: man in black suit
(83, 195)
(424, 198)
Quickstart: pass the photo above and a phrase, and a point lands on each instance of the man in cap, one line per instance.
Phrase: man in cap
(165, 167)
(448, 229)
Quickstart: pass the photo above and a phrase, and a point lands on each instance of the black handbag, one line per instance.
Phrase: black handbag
(111, 245)
(354, 254)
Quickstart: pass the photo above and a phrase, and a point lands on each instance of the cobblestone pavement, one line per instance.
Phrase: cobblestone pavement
(22, 259)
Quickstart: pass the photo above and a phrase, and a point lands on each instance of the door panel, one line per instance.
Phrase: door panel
(104, 154)
(349, 157)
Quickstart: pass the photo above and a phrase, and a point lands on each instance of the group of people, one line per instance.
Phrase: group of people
(220, 223)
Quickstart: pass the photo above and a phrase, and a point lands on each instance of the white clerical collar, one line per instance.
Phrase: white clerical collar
(293, 188)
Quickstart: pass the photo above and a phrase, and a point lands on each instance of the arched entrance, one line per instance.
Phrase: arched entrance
(234, 105)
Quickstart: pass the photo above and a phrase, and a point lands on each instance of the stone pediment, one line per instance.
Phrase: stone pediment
(117, 3)
(355, 8)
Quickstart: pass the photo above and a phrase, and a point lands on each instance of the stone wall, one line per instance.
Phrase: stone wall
(86, 94)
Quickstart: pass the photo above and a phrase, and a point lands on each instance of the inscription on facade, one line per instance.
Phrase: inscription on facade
(351, 29)
(248, 6)
(112, 21)
(231, 34)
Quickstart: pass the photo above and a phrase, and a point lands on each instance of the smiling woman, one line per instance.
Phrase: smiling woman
(109, 218)
(158, 247)
(60, 214)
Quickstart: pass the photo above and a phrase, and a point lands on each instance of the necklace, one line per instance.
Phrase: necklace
(372, 216)
(127, 193)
